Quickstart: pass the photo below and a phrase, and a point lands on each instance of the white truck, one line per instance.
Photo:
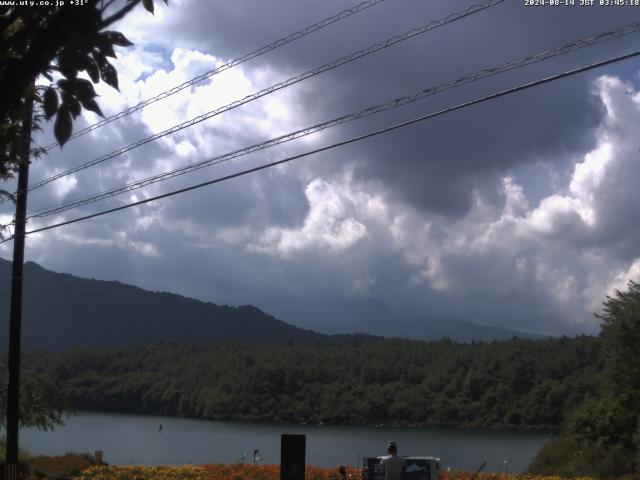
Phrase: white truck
(416, 468)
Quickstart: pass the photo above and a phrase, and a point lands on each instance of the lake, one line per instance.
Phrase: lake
(135, 440)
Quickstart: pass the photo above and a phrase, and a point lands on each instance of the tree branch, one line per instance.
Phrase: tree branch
(119, 14)
(103, 7)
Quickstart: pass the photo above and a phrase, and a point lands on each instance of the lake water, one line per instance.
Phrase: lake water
(135, 439)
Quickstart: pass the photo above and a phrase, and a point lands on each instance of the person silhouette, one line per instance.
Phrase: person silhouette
(256, 456)
(393, 464)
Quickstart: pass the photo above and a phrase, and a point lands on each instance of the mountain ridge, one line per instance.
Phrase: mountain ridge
(356, 314)
(62, 311)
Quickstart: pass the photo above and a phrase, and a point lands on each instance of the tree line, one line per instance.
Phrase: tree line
(522, 384)
(601, 438)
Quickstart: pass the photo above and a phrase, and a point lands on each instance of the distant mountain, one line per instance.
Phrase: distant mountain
(61, 312)
(465, 331)
(336, 315)
(375, 317)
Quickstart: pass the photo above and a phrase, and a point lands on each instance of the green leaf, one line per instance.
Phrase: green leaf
(107, 49)
(71, 104)
(65, 85)
(70, 55)
(84, 89)
(69, 72)
(92, 105)
(109, 75)
(63, 126)
(50, 103)
(70, 60)
(117, 38)
(92, 69)
(148, 4)
(100, 59)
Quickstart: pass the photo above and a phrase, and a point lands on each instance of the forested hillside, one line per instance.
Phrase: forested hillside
(62, 312)
(514, 384)
(601, 439)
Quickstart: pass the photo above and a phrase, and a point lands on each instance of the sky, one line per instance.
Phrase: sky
(521, 212)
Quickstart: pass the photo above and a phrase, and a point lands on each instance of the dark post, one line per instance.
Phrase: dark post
(292, 456)
(13, 393)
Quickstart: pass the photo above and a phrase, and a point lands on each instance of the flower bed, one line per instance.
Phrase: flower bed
(499, 476)
(260, 472)
(163, 472)
(45, 467)
(82, 467)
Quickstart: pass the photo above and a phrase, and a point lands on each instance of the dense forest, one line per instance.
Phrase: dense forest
(524, 384)
(601, 438)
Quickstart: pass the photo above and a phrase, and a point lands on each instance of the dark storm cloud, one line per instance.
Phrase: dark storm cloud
(229, 244)
(449, 156)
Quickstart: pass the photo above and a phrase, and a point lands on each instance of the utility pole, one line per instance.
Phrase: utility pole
(13, 394)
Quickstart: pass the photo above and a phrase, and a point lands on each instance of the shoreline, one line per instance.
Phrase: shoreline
(509, 428)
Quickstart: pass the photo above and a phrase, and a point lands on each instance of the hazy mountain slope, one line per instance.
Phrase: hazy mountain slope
(377, 318)
(61, 311)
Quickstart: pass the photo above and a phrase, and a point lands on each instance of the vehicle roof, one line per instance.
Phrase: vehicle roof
(413, 457)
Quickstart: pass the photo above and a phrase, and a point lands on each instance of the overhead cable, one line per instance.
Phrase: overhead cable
(278, 86)
(226, 66)
(397, 102)
(338, 144)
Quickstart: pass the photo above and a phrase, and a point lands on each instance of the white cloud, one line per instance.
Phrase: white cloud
(621, 279)
(79, 238)
(330, 225)
(64, 186)
(362, 286)
(548, 247)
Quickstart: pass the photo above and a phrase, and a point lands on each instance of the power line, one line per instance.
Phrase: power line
(278, 86)
(342, 143)
(237, 61)
(419, 95)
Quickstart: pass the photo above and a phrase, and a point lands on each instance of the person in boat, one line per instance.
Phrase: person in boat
(393, 464)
